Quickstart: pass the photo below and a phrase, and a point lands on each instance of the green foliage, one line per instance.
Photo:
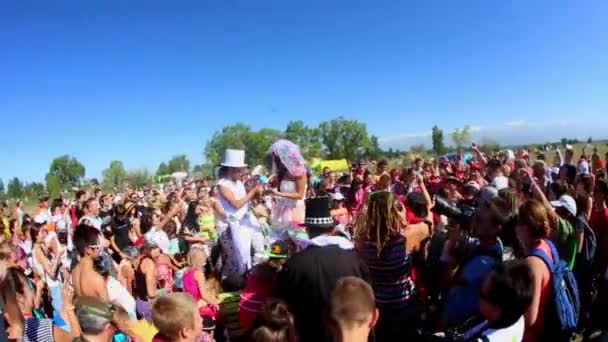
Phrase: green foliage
(438, 143)
(178, 163)
(461, 137)
(230, 137)
(15, 188)
(258, 144)
(114, 175)
(374, 151)
(64, 173)
(344, 138)
(139, 178)
(32, 190)
(489, 145)
(309, 139)
(419, 149)
(203, 170)
(2, 190)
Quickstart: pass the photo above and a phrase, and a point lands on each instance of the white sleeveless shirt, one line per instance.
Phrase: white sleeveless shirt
(238, 190)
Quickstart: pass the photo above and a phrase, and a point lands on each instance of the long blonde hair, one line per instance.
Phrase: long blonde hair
(382, 221)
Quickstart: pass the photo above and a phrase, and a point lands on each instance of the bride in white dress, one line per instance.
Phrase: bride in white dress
(289, 168)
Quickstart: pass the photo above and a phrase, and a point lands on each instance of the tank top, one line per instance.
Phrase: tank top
(141, 290)
(39, 269)
(391, 272)
(533, 332)
(238, 190)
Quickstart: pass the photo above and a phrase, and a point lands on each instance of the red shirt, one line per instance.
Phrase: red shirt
(599, 221)
(599, 224)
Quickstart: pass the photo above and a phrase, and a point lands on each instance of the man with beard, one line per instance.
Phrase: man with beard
(86, 281)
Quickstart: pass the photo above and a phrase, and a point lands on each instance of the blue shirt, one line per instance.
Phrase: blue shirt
(462, 301)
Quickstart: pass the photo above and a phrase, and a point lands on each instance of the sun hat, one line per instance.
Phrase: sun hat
(234, 158)
(565, 202)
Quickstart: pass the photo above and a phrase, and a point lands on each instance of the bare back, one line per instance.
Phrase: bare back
(87, 282)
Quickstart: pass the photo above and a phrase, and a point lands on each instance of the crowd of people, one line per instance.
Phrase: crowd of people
(504, 246)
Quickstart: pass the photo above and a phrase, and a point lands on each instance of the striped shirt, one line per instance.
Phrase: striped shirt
(391, 272)
(38, 330)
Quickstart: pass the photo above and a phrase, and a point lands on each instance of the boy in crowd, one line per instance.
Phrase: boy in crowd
(177, 319)
(353, 310)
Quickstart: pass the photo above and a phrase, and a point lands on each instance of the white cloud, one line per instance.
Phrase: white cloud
(509, 133)
(518, 123)
(406, 136)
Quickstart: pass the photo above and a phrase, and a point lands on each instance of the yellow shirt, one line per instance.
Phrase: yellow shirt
(7, 230)
(143, 331)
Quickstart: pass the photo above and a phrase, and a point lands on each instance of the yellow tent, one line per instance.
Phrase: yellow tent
(334, 165)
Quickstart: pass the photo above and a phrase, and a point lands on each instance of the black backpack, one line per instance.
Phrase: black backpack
(587, 254)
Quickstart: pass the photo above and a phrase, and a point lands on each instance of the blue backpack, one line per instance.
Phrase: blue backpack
(562, 317)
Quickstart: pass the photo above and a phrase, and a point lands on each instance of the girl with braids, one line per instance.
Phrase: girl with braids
(387, 244)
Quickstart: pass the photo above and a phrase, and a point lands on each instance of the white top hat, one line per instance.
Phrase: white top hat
(234, 158)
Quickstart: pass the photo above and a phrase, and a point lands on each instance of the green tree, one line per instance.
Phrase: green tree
(258, 144)
(139, 178)
(374, 151)
(178, 163)
(203, 170)
(230, 137)
(344, 138)
(589, 140)
(418, 149)
(64, 173)
(489, 145)
(2, 190)
(32, 190)
(15, 188)
(461, 137)
(163, 169)
(438, 143)
(309, 139)
(114, 175)
(564, 142)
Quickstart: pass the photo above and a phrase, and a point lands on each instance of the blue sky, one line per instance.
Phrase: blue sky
(142, 81)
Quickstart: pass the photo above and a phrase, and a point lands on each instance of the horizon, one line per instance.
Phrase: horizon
(140, 84)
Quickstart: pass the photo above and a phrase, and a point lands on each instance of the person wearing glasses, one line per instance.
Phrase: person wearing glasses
(86, 281)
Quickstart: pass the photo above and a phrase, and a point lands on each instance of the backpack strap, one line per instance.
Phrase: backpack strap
(539, 253)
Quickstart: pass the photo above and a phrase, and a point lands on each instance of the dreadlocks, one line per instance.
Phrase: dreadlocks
(382, 220)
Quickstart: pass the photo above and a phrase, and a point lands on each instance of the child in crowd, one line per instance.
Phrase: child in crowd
(504, 298)
(194, 284)
(338, 211)
(275, 323)
(261, 284)
(353, 310)
(177, 318)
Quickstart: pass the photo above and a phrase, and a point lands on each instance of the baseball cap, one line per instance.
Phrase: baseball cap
(566, 202)
(278, 250)
(473, 184)
(337, 196)
(488, 193)
(500, 182)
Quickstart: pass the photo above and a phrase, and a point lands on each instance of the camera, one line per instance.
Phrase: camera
(461, 213)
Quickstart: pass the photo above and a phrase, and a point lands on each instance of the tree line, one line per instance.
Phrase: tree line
(333, 139)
